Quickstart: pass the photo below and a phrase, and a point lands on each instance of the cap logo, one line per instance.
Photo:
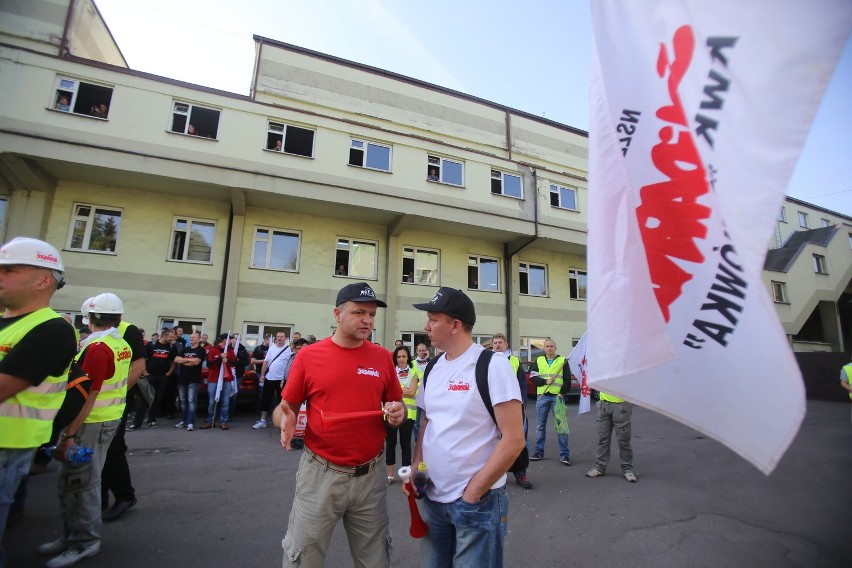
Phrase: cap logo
(436, 298)
(368, 292)
(46, 256)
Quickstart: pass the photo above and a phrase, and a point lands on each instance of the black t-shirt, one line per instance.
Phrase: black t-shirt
(47, 350)
(159, 358)
(259, 353)
(74, 399)
(192, 373)
(133, 337)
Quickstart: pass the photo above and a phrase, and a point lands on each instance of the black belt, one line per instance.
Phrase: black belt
(354, 471)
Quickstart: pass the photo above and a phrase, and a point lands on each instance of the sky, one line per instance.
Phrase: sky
(535, 60)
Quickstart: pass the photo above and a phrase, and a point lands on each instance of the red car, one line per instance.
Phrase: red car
(248, 385)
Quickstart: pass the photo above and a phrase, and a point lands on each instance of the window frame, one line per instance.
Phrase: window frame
(365, 153)
(190, 221)
(825, 222)
(272, 232)
(478, 258)
(415, 250)
(188, 114)
(524, 266)
(574, 275)
(819, 264)
(441, 169)
(351, 241)
(501, 179)
(252, 340)
(779, 289)
(803, 220)
(782, 215)
(87, 232)
(555, 189)
(74, 91)
(285, 128)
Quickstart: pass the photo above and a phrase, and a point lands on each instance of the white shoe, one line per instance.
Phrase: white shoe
(259, 424)
(190, 428)
(53, 548)
(180, 425)
(74, 555)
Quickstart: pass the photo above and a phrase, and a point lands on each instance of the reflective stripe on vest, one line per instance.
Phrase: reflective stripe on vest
(546, 371)
(113, 395)
(26, 418)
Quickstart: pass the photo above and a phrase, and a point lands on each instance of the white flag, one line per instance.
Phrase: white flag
(221, 380)
(577, 363)
(698, 113)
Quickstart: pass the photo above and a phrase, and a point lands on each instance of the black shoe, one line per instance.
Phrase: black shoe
(118, 508)
(523, 482)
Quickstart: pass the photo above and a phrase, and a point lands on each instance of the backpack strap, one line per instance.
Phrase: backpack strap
(482, 380)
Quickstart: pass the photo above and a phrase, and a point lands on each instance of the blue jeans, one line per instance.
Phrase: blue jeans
(188, 395)
(543, 407)
(14, 465)
(224, 402)
(465, 535)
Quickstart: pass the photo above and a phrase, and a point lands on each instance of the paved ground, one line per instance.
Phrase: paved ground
(222, 499)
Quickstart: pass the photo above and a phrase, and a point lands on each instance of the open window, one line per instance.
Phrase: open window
(506, 184)
(195, 120)
(370, 155)
(79, 97)
(444, 170)
(356, 258)
(290, 139)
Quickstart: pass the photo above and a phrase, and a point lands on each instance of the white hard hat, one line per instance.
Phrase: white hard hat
(31, 252)
(84, 309)
(106, 303)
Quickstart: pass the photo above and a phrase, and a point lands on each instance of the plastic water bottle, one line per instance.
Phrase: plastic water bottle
(421, 478)
(75, 454)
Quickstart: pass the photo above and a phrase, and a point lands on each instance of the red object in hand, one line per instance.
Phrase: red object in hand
(418, 528)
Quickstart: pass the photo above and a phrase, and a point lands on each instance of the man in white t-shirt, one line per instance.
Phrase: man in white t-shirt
(272, 377)
(467, 455)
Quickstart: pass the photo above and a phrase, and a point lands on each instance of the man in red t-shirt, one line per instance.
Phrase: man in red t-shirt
(344, 373)
(221, 353)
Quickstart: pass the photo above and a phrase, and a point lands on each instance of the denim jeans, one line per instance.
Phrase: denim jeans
(188, 395)
(614, 416)
(465, 535)
(544, 407)
(224, 403)
(14, 465)
(80, 486)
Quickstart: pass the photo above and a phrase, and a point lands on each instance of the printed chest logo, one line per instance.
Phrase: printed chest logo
(459, 385)
(368, 371)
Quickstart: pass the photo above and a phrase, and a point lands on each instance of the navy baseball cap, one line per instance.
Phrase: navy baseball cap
(358, 292)
(452, 302)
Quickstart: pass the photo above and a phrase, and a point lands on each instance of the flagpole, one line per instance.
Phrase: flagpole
(221, 379)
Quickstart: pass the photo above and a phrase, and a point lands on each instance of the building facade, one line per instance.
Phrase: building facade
(247, 213)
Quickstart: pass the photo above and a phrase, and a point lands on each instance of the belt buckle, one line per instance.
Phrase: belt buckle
(361, 470)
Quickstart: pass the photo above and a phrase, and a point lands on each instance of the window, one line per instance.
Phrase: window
(506, 184)
(531, 348)
(290, 139)
(533, 279)
(825, 222)
(94, 228)
(275, 250)
(412, 339)
(188, 326)
(419, 266)
(192, 240)
(445, 171)
(577, 284)
(194, 120)
(253, 333)
(819, 264)
(483, 274)
(782, 215)
(803, 219)
(779, 292)
(563, 197)
(82, 98)
(356, 258)
(369, 155)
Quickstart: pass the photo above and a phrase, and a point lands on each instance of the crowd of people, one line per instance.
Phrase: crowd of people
(95, 385)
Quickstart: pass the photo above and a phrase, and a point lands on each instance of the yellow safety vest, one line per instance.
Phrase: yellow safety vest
(515, 363)
(26, 419)
(546, 371)
(410, 403)
(848, 370)
(609, 397)
(113, 395)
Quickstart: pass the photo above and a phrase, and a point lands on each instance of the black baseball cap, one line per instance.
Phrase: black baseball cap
(358, 292)
(452, 302)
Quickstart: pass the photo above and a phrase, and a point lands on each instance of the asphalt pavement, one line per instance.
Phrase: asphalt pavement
(214, 498)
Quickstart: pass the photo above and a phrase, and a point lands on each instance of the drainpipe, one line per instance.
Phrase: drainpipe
(63, 45)
(225, 269)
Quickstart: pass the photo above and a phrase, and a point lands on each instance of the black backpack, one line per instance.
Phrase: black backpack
(523, 459)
